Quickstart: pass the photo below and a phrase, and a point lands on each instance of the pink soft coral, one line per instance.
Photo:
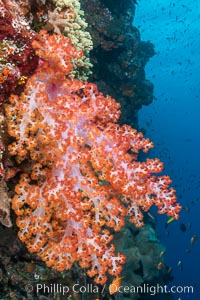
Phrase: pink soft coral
(84, 178)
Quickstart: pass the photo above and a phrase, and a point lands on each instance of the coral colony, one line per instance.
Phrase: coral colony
(80, 177)
(84, 177)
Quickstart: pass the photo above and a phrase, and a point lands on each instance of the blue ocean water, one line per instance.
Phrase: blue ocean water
(172, 121)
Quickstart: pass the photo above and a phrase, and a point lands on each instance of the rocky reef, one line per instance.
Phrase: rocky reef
(119, 56)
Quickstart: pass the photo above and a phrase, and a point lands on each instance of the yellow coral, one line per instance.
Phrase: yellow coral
(68, 19)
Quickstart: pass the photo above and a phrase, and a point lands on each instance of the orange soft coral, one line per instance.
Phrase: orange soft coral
(83, 178)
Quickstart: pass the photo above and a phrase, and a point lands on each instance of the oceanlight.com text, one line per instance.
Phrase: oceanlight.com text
(58, 288)
(152, 289)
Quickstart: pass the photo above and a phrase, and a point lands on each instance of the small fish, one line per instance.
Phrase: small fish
(167, 233)
(152, 216)
(182, 227)
(180, 265)
(160, 265)
(170, 220)
(169, 270)
(187, 208)
(194, 238)
(187, 251)
(161, 254)
(114, 286)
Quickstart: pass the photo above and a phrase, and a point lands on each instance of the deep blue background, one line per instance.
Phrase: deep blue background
(172, 122)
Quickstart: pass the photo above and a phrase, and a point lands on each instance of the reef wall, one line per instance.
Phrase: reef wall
(119, 56)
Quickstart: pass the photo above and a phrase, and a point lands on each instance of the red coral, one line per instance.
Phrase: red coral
(17, 56)
(84, 178)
